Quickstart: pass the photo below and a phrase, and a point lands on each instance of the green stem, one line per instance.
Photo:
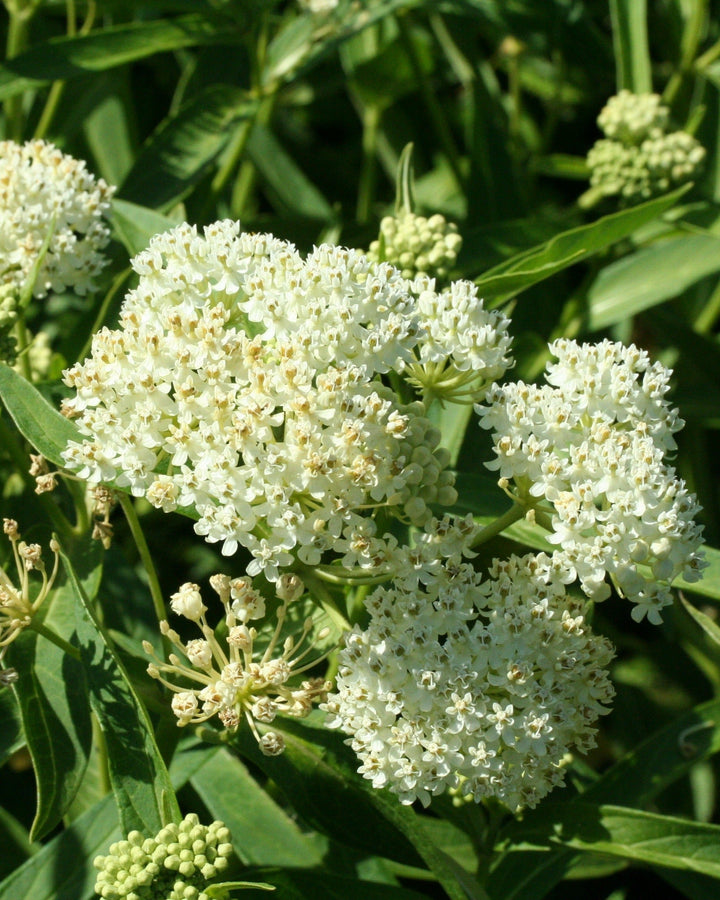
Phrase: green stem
(55, 638)
(371, 118)
(435, 110)
(101, 316)
(10, 444)
(690, 42)
(708, 315)
(102, 757)
(516, 512)
(17, 34)
(128, 507)
(323, 596)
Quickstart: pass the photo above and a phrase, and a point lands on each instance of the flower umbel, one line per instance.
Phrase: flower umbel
(18, 604)
(587, 450)
(227, 676)
(175, 864)
(51, 216)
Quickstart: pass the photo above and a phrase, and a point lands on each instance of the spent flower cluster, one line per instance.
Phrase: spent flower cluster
(175, 864)
(19, 602)
(228, 677)
(52, 228)
(639, 158)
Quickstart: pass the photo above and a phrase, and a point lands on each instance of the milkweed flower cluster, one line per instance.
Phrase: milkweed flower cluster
(589, 448)
(461, 680)
(228, 678)
(242, 383)
(19, 602)
(52, 213)
(639, 158)
(175, 864)
(417, 245)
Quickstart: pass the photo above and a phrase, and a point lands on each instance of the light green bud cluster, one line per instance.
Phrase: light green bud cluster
(176, 864)
(8, 317)
(417, 245)
(630, 118)
(426, 476)
(638, 159)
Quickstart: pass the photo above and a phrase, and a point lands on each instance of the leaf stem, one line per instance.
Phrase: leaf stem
(55, 638)
(516, 512)
(128, 508)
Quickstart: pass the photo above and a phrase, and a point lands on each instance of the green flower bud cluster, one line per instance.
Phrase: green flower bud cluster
(638, 159)
(417, 245)
(8, 317)
(427, 469)
(176, 864)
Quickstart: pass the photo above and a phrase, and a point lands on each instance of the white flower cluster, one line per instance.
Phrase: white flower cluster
(588, 449)
(417, 245)
(49, 199)
(460, 681)
(176, 864)
(241, 384)
(231, 680)
(465, 347)
(639, 158)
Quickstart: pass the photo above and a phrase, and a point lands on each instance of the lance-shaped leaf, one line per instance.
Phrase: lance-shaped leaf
(141, 784)
(63, 59)
(38, 422)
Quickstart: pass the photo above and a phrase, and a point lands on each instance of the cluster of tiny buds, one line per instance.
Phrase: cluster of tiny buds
(639, 158)
(229, 678)
(415, 244)
(17, 605)
(175, 864)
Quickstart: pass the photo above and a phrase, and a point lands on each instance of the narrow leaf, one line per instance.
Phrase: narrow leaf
(62, 869)
(711, 629)
(53, 699)
(565, 249)
(134, 225)
(39, 422)
(137, 772)
(11, 733)
(651, 276)
(179, 152)
(63, 59)
(263, 834)
(293, 884)
(630, 40)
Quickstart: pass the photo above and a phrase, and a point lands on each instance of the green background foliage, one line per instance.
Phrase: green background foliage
(294, 124)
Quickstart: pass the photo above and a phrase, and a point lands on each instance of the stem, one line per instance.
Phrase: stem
(102, 755)
(18, 456)
(435, 110)
(55, 638)
(690, 42)
(516, 512)
(371, 118)
(17, 34)
(708, 315)
(319, 592)
(118, 282)
(128, 507)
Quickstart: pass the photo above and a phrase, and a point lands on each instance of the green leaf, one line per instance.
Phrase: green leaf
(630, 40)
(650, 276)
(178, 154)
(39, 422)
(287, 182)
(626, 833)
(11, 732)
(140, 781)
(64, 59)
(262, 833)
(711, 629)
(637, 778)
(52, 693)
(318, 774)
(293, 884)
(134, 225)
(15, 842)
(569, 247)
(62, 869)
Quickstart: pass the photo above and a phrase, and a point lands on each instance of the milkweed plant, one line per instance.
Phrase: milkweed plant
(358, 490)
